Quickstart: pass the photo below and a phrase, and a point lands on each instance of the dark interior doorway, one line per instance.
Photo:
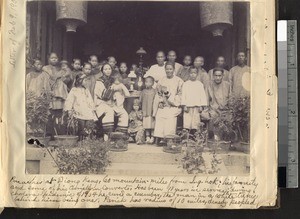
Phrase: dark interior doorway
(120, 28)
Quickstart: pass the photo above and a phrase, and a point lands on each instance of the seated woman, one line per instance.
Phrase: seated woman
(105, 105)
(167, 102)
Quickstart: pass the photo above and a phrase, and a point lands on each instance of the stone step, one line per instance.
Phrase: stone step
(144, 154)
(144, 169)
(236, 159)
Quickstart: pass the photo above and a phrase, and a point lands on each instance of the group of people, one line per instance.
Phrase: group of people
(96, 92)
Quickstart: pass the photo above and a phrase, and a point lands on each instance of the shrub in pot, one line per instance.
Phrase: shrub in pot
(71, 138)
(240, 107)
(89, 156)
(224, 133)
(37, 114)
(192, 160)
(118, 141)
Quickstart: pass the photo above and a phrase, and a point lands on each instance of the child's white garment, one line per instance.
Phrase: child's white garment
(81, 102)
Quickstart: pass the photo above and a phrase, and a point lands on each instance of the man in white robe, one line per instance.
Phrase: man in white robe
(172, 58)
(157, 71)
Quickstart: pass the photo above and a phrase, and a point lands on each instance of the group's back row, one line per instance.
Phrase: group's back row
(238, 76)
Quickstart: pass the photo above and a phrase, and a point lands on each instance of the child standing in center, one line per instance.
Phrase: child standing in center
(80, 105)
(193, 100)
(147, 99)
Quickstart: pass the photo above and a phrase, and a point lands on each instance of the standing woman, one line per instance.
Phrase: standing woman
(169, 99)
(59, 94)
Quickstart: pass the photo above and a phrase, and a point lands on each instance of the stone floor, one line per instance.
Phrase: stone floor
(143, 160)
(151, 160)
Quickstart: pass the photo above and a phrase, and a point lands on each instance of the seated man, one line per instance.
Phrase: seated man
(220, 63)
(218, 93)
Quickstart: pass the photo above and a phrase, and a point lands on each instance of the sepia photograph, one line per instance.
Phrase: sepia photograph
(138, 88)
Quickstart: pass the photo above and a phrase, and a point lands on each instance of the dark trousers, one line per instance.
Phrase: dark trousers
(85, 128)
(56, 124)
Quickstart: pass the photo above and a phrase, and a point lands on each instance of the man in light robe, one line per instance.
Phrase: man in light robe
(172, 58)
(220, 63)
(157, 71)
(240, 77)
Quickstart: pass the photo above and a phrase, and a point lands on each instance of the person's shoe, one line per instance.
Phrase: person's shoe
(147, 140)
(151, 141)
(131, 140)
(105, 137)
(161, 143)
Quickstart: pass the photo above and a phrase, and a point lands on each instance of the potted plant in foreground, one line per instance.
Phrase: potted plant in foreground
(89, 156)
(118, 141)
(223, 132)
(241, 121)
(71, 138)
(37, 113)
(192, 160)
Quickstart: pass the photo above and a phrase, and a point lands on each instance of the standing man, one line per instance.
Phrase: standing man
(239, 77)
(172, 58)
(157, 71)
(220, 63)
(202, 74)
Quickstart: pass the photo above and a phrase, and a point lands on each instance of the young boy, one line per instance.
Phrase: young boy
(124, 74)
(202, 74)
(113, 63)
(147, 99)
(66, 74)
(76, 69)
(90, 79)
(123, 69)
(183, 72)
(96, 72)
(193, 101)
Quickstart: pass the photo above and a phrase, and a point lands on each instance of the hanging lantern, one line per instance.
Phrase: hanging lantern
(71, 14)
(216, 16)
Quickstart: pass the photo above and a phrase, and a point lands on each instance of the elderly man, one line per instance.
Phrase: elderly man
(220, 63)
(239, 77)
(157, 71)
(172, 58)
(218, 91)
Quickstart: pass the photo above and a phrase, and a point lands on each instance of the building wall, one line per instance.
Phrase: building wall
(45, 35)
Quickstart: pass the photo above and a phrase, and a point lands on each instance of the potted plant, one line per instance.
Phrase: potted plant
(71, 138)
(37, 113)
(118, 141)
(192, 159)
(224, 133)
(89, 156)
(240, 107)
